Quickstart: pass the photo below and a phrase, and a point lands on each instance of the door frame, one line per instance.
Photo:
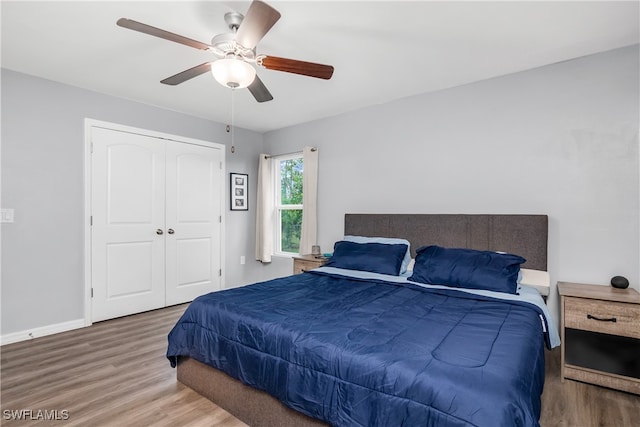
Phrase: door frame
(89, 124)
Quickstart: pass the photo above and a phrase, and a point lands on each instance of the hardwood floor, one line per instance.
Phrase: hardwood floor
(114, 373)
(576, 404)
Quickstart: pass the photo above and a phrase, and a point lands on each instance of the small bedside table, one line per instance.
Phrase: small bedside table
(600, 333)
(302, 263)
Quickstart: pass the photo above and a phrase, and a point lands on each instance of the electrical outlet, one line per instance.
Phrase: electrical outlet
(242, 260)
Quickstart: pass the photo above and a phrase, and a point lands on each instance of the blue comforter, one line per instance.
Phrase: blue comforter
(363, 352)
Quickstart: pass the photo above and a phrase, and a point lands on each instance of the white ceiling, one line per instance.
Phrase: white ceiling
(381, 51)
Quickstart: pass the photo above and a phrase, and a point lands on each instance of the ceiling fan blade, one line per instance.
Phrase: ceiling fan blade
(259, 90)
(187, 74)
(257, 22)
(297, 67)
(157, 32)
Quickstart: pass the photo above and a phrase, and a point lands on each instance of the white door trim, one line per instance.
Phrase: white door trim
(88, 125)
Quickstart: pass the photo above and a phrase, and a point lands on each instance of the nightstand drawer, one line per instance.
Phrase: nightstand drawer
(300, 266)
(607, 317)
(302, 263)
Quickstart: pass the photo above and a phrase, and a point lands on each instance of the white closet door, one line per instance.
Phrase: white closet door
(128, 199)
(193, 210)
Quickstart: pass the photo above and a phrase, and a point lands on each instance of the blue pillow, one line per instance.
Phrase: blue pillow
(388, 241)
(374, 257)
(467, 268)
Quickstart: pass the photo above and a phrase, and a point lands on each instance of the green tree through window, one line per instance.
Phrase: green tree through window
(291, 173)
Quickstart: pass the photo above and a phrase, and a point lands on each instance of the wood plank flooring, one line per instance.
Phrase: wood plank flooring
(115, 373)
(576, 404)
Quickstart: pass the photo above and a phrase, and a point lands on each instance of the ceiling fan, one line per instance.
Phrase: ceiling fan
(236, 51)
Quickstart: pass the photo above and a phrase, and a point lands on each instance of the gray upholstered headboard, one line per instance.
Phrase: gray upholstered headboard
(524, 235)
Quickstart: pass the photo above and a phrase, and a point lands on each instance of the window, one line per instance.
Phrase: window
(288, 203)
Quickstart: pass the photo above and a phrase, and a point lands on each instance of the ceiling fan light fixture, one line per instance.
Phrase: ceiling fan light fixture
(233, 73)
(237, 51)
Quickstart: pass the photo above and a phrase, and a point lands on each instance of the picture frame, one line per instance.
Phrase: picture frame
(239, 191)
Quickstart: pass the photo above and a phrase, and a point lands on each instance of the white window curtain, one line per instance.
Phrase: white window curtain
(309, 232)
(264, 209)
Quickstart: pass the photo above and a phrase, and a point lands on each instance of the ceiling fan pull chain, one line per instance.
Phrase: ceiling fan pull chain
(233, 128)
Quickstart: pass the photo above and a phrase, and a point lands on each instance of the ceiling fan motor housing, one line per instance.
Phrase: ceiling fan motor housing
(224, 42)
(225, 46)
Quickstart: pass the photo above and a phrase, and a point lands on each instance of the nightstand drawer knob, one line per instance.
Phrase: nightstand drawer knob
(611, 319)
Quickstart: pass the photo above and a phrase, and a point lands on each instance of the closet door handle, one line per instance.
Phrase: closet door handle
(159, 232)
(170, 231)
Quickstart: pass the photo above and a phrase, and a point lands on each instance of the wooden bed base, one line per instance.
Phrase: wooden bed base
(525, 235)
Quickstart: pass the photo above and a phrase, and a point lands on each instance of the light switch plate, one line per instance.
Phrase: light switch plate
(6, 215)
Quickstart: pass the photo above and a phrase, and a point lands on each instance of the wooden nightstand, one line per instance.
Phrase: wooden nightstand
(600, 332)
(302, 263)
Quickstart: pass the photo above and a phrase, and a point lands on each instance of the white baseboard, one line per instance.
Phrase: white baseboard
(41, 331)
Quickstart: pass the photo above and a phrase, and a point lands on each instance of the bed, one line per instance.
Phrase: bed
(350, 347)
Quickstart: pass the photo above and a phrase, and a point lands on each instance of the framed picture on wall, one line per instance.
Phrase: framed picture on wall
(239, 191)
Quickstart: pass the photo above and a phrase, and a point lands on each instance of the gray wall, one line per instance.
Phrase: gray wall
(560, 140)
(42, 179)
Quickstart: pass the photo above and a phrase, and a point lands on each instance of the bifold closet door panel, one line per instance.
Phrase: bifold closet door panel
(193, 220)
(128, 220)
